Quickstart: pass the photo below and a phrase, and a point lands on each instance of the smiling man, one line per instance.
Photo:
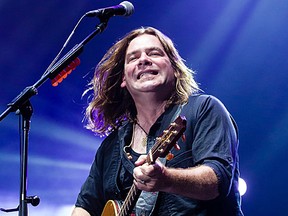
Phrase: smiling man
(140, 86)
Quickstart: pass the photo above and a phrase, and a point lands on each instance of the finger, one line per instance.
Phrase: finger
(139, 176)
(151, 171)
(139, 173)
(142, 182)
(141, 160)
(158, 166)
(139, 183)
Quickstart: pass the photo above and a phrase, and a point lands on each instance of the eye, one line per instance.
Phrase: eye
(131, 58)
(155, 52)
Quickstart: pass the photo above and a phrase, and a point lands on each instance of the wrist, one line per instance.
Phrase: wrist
(167, 180)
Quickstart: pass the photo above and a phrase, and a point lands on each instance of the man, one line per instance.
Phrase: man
(140, 86)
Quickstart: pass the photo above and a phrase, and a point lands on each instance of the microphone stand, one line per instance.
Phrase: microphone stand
(22, 105)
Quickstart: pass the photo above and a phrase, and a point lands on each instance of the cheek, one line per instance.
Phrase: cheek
(171, 72)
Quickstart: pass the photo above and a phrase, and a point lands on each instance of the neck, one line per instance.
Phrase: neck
(148, 113)
(149, 106)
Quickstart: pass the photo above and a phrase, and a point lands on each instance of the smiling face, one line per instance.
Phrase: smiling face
(147, 67)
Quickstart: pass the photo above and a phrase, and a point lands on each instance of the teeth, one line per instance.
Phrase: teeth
(148, 72)
(143, 74)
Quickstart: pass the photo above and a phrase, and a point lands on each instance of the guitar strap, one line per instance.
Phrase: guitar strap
(147, 200)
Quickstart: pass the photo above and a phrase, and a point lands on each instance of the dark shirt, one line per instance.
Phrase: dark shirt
(211, 139)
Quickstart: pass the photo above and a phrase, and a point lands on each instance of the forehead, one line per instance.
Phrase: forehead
(143, 42)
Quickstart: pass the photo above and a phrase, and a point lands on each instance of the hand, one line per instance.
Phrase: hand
(78, 211)
(149, 177)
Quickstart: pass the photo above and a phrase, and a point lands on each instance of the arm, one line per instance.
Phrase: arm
(198, 182)
(77, 211)
(214, 151)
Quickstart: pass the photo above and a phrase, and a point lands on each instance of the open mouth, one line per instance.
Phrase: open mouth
(145, 73)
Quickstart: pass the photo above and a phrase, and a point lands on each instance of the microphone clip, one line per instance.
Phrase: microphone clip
(33, 200)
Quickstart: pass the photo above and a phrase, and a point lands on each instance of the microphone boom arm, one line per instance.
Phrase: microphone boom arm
(30, 91)
(22, 105)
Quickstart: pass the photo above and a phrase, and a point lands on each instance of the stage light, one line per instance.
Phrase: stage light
(242, 186)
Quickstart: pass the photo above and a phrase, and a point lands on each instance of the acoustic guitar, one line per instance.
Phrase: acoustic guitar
(161, 148)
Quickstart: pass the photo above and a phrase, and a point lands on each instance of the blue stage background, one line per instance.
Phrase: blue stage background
(238, 48)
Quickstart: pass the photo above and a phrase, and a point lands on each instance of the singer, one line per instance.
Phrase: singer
(140, 86)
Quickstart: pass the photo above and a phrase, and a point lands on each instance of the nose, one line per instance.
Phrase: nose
(144, 60)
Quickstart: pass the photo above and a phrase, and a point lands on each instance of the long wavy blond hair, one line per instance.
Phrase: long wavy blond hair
(110, 103)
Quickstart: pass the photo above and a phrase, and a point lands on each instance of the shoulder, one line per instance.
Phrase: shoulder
(203, 99)
(204, 102)
(114, 137)
(108, 143)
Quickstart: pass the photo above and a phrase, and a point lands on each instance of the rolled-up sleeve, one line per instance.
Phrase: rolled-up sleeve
(216, 141)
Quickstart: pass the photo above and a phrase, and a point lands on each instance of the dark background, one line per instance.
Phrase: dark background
(238, 48)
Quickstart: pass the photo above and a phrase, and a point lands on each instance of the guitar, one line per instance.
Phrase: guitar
(161, 148)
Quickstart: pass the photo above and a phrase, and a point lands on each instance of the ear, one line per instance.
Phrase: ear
(123, 84)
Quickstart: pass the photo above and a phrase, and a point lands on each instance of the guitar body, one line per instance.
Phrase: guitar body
(111, 208)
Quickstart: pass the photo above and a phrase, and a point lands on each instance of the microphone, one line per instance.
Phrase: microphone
(125, 8)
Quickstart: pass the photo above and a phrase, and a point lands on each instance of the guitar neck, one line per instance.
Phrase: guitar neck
(130, 201)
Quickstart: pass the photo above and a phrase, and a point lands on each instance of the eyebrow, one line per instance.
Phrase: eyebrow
(147, 49)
